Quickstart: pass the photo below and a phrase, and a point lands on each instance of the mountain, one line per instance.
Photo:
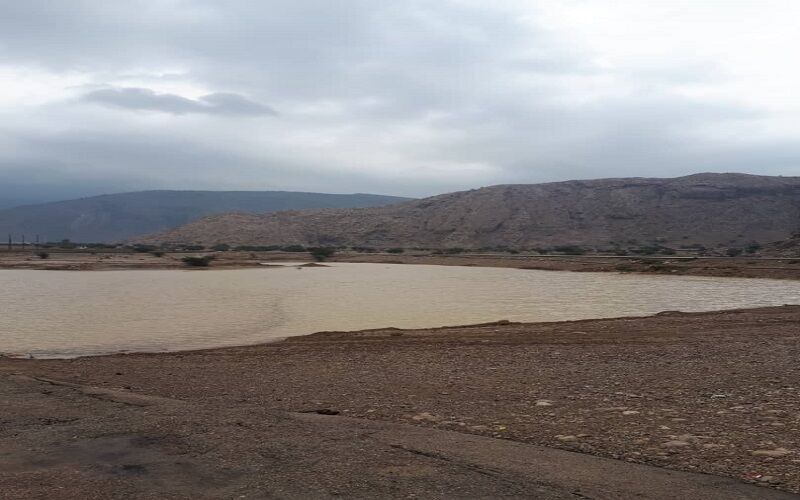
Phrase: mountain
(14, 201)
(707, 209)
(118, 217)
(785, 248)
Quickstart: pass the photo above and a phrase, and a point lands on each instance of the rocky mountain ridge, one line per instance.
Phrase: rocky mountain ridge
(118, 217)
(702, 209)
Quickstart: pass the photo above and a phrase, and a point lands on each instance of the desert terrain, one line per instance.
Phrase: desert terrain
(471, 411)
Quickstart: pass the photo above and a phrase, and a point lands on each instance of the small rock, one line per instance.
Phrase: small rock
(777, 452)
(630, 412)
(567, 438)
(425, 416)
(675, 444)
(544, 402)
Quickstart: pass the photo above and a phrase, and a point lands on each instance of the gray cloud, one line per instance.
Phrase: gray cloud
(146, 99)
(411, 98)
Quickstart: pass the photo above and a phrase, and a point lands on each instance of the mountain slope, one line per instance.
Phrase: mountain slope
(708, 209)
(785, 248)
(117, 217)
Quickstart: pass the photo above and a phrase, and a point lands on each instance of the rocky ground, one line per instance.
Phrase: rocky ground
(716, 393)
(746, 267)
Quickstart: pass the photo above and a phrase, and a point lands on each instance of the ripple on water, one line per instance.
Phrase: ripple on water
(55, 313)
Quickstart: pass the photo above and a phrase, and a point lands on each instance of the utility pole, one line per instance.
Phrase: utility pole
(9, 242)
(37, 242)
(23, 242)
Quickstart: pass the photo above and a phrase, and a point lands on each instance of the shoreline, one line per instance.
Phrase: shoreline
(742, 267)
(382, 333)
(712, 392)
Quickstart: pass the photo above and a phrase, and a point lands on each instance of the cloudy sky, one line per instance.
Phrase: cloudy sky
(395, 97)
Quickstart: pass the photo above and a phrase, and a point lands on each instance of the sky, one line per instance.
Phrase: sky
(407, 97)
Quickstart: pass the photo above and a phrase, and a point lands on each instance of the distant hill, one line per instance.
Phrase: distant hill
(707, 209)
(785, 248)
(118, 217)
(6, 202)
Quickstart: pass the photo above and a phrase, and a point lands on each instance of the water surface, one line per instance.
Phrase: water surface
(68, 313)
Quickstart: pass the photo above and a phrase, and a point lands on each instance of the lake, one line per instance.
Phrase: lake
(68, 313)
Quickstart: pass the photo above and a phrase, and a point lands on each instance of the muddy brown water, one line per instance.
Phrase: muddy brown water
(66, 314)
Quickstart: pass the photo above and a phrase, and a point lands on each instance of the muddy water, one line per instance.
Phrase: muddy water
(63, 313)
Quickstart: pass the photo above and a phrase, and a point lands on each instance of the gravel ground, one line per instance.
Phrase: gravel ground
(704, 392)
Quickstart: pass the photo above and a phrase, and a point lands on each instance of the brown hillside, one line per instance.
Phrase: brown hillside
(710, 209)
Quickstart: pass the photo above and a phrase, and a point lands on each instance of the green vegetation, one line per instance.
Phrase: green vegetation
(257, 248)
(752, 247)
(195, 261)
(144, 248)
(321, 253)
(394, 250)
(653, 250)
(499, 249)
(570, 249)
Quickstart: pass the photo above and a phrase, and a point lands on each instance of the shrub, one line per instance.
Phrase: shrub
(733, 252)
(293, 248)
(43, 255)
(394, 250)
(221, 247)
(157, 253)
(257, 248)
(753, 247)
(321, 253)
(144, 248)
(570, 249)
(195, 261)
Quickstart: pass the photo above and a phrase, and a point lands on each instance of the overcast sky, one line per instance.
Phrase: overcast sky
(393, 97)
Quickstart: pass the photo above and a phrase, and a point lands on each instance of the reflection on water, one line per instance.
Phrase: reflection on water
(63, 313)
